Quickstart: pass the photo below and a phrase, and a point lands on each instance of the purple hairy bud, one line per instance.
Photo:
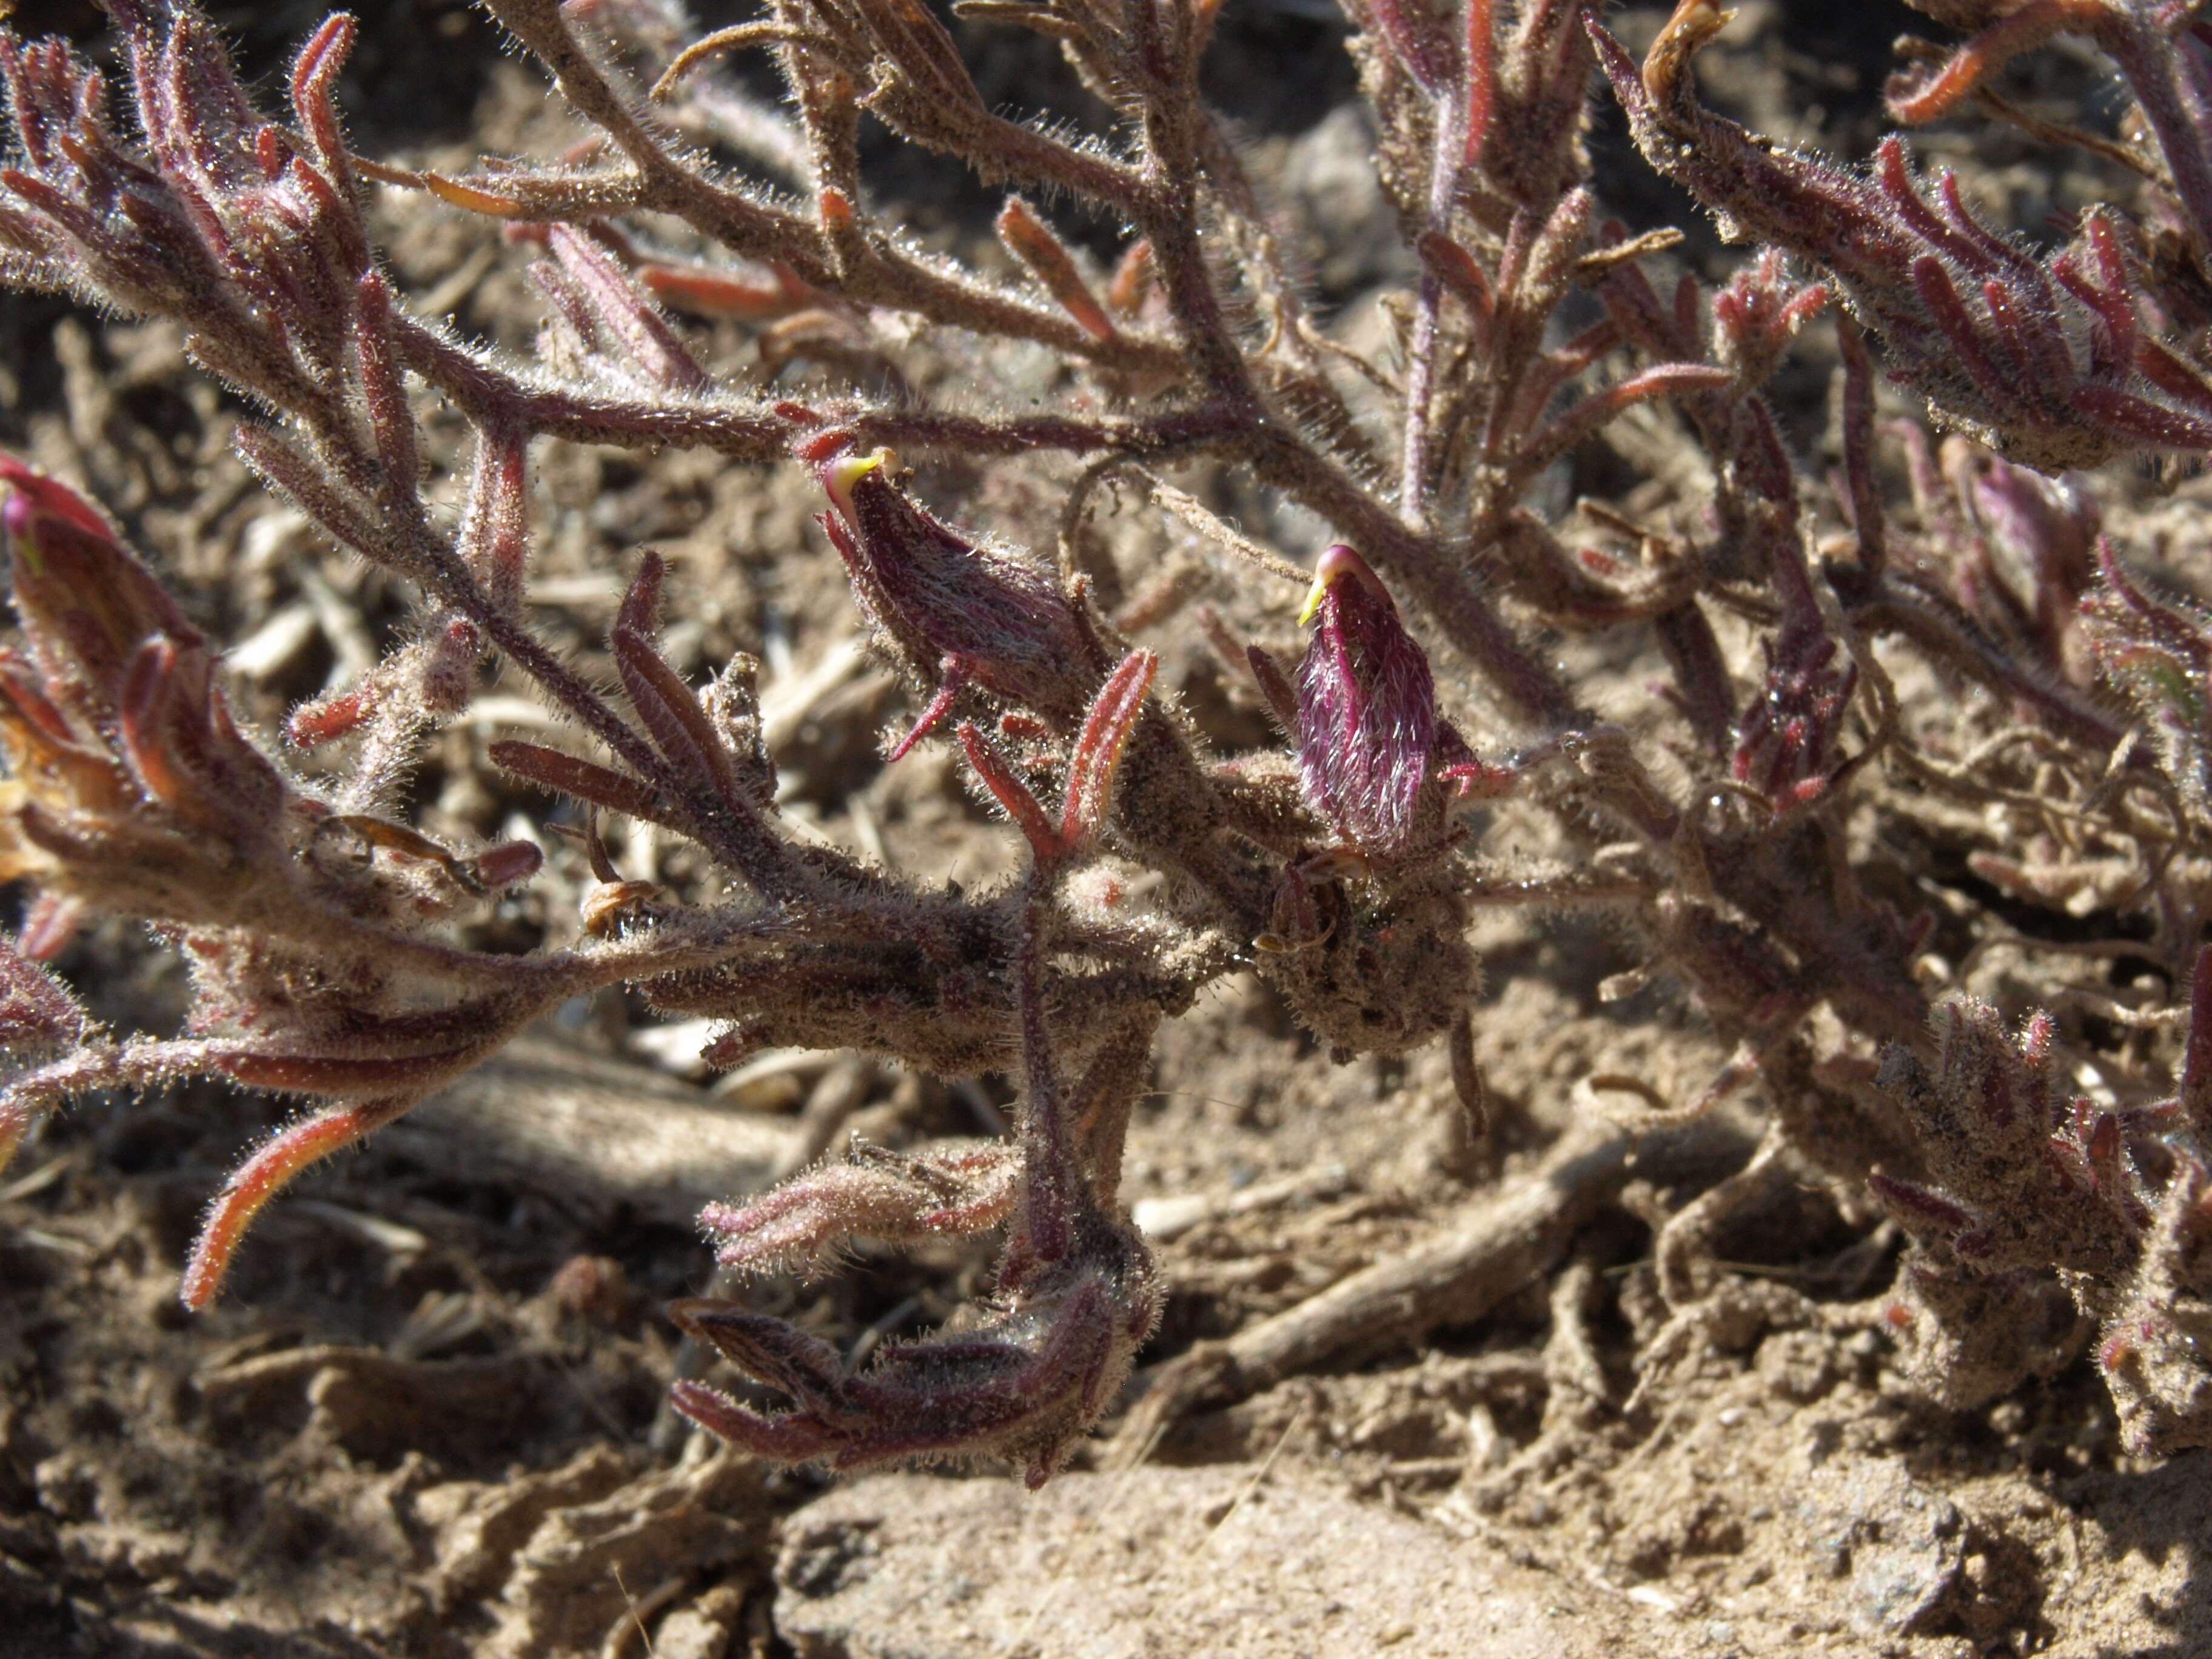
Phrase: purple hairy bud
(957, 612)
(1368, 732)
(1367, 706)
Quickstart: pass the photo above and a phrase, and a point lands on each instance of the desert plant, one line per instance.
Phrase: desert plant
(1745, 820)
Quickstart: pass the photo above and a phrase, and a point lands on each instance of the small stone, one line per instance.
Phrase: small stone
(1898, 1543)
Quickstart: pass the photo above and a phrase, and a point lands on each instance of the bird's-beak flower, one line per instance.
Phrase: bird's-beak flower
(960, 612)
(1367, 710)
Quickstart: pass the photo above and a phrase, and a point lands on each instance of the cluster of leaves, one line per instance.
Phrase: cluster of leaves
(1727, 820)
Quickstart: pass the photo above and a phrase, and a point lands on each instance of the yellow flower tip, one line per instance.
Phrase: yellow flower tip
(1338, 562)
(838, 477)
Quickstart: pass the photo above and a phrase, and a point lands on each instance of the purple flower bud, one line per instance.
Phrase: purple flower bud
(1367, 709)
(961, 613)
